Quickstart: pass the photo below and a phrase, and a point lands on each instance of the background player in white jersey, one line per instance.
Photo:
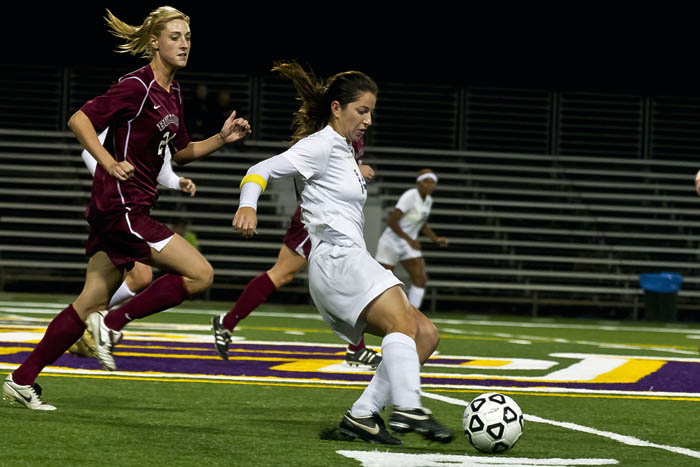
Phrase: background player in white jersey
(351, 290)
(399, 241)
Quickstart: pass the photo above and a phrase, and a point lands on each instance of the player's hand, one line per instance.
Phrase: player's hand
(245, 221)
(367, 172)
(121, 170)
(415, 244)
(442, 242)
(188, 186)
(234, 129)
(697, 182)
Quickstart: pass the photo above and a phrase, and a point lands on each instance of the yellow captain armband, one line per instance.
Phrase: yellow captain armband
(255, 179)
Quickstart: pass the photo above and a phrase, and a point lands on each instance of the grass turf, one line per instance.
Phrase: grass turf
(136, 422)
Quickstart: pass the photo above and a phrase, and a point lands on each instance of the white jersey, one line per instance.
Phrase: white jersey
(334, 190)
(343, 276)
(415, 212)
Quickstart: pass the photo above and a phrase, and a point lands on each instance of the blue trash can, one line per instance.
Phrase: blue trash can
(660, 293)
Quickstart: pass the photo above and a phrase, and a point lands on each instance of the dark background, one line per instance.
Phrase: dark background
(580, 46)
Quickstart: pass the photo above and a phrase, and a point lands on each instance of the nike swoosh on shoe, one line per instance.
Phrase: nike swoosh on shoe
(371, 430)
(28, 399)
(414, 417)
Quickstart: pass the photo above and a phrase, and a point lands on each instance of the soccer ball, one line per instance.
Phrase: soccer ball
(493, 422)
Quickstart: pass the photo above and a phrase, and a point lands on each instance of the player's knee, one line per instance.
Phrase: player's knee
(433, 334)
(281, 278)
(405, 325)
(207, 276)
(201, 279)
(428, 335)
(286, 279)
(140, 278)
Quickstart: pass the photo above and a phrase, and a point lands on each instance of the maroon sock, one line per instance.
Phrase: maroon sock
(165, 292)
(357, 347)
(254, 294)
(63, 331)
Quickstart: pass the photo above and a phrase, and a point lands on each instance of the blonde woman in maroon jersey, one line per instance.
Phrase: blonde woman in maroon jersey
(144, 113)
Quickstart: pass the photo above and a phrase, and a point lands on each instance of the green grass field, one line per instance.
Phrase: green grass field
(594, 393)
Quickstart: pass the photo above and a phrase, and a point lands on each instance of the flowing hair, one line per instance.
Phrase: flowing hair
(138, 37)
(316, 95)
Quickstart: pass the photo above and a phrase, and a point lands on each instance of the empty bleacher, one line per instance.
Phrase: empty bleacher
(550, 230)
(552, 201)
(532, 231)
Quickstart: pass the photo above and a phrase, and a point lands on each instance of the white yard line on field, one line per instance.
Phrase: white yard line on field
(51, 309)
(391, 459)
(653, 328)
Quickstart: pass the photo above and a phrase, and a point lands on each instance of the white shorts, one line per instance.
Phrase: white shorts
(391, 249)
(343, 281)
(158, 246)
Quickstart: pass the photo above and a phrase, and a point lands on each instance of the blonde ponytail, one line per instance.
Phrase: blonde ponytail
(138, 38)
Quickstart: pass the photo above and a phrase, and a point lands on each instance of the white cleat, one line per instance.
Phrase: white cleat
(105, 338)
(24, 394)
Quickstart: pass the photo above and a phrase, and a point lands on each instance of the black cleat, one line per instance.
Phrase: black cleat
(222, 336)
(370, 429)
(421, 421)
(365, 356)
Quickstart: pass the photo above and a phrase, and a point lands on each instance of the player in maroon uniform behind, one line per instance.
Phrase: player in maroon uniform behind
(292, 258)
(144, 113)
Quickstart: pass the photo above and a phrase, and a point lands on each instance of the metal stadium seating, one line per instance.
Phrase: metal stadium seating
(551, 200)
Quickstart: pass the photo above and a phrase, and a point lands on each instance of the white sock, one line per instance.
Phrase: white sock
(120, 295)
(400, 356)
(415, 296)
(376, 396)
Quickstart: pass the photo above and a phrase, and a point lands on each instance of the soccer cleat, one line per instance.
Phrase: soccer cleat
(83, 347)
(370, 429)
(421, 421)
(365, 356)
(105, 338)
(222, 336)
(24, 394)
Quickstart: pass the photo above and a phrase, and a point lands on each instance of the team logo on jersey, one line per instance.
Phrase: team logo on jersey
(170, 118)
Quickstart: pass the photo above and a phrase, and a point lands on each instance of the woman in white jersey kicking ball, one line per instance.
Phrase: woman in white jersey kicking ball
(350, 289)
(399, 241)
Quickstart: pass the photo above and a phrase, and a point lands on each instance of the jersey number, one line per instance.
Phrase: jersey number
(167, 138)
(360, 179)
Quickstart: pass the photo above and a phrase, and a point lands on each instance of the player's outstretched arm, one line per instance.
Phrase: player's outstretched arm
(253, 185)
(440, 241)
(233, 130)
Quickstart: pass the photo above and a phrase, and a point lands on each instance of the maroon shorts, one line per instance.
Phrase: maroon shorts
(125, 237)
(297, 238)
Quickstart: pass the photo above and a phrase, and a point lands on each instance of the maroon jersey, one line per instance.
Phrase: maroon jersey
(142, 118)
(297, 238)
(359, 147)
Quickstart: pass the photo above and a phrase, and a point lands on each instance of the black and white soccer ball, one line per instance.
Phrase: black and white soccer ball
(493, 422)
